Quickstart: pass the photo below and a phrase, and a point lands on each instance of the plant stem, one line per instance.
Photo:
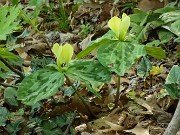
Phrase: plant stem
(12, 68)
(117, 92)
(79, 96)
(174, 125)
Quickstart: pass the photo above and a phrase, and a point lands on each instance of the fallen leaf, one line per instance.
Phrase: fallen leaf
(138, 130)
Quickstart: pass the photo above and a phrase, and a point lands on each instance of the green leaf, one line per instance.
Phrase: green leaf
(29, 19)
(50, 128)
(8, 15)
(39, 85)
(119, 56)
(3, 66)
(14, 127)
(3, 116)
(165, 9)
(170, 16)
(91, 72)
(154, 43)
(156, 52)
(165, 35)
(10, 96)
(95, 44)
(15, 2)
(141, 32)
(139, 18)
(144, 67)
(12, 58)
(36, 3)
(175, 28)
(172, 84)
(8, 55)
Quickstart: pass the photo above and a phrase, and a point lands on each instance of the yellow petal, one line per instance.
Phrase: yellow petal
(156, 70)
(120, 26)
(125, 22)
(57, 49)
(114, 25)
(124, 15)
(67, 53)
(124, 26)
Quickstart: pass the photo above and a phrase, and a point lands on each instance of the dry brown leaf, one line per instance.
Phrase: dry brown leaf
(113, 127)
(138, 130)
(105, 124)
(147, 5)
(86, 42)
(144, 104)
(81, 128)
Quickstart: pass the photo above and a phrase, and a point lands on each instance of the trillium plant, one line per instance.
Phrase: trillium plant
(45, 83)
(114, 51)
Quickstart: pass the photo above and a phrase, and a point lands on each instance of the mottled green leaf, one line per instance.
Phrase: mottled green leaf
(91, 72)
(144, 67)
(139, 17)
(170, 16)
(172, 84)
(3, 116)
(166, 9)
(39, 85)
(165, 35)
(119, 56)
(10, 96)
(175, 28)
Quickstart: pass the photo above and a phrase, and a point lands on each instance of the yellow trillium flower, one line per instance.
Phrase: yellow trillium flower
(120, 26)
(63, 53)
(156, 70)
